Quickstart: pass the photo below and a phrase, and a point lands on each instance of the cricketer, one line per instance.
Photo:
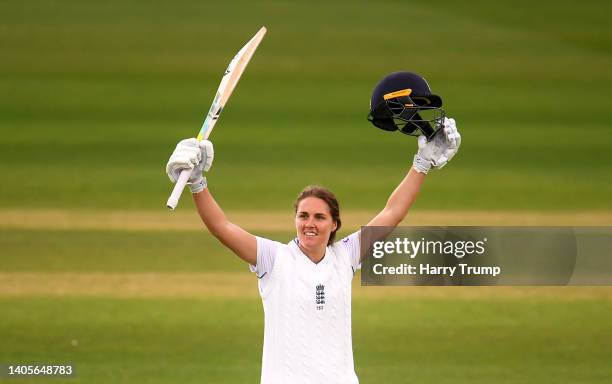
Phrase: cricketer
(305, 285)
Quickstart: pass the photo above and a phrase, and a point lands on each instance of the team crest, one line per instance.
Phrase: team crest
(320, 297)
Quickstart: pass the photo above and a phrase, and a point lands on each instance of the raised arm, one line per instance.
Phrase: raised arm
(241, 242)
(435, 153)
(400, 200)
(198, 155)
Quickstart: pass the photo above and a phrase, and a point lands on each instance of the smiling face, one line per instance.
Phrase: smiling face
(313, 223)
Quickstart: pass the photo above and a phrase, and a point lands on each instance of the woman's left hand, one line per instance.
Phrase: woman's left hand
(440, 150)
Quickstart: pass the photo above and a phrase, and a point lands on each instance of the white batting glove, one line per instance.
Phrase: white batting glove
(194, 155)
(440, 150)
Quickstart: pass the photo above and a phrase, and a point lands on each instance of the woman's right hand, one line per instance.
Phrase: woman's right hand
(192, 155)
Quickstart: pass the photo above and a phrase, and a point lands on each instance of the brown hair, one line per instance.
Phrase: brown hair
(329, 198)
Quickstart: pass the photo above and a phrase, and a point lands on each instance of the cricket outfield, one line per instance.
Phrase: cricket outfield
(94, 96)
(150, 308)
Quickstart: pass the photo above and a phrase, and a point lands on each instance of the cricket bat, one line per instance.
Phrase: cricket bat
(228, 83)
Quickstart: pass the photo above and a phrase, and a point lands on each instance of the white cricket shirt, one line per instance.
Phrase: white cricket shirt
(307, 309)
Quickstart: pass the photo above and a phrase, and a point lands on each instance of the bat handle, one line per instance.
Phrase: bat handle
(178, 189)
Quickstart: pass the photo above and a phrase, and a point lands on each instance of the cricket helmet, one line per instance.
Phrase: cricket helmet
(403, 101)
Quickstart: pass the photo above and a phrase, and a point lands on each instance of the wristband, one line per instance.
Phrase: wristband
(198, 186)
(420, 164)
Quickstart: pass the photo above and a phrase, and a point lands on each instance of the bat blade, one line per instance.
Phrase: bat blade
(230, 78)
(228, 83)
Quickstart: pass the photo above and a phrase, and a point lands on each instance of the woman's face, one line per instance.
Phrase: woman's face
(313, 223)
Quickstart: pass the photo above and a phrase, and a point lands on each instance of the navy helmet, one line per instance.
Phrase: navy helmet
(403, 101)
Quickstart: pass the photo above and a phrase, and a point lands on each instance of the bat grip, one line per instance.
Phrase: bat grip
(178, 189)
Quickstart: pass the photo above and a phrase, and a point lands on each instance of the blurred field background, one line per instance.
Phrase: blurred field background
(95, 95)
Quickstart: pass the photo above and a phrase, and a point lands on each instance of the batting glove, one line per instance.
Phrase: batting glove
(194, 155)
(440, 150)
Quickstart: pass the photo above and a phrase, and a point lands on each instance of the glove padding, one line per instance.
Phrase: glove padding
(191, 154)
(440, 150)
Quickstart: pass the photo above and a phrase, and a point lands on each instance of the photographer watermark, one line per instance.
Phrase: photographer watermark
(486, 256)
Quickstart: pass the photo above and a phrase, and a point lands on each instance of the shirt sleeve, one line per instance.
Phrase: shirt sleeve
(352, 245)
(266, 253)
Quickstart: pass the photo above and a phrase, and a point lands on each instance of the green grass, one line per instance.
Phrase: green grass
(115, 251)
(93, 97)
(220, 341)
(481, 341)
(496, 338)
(137, 340)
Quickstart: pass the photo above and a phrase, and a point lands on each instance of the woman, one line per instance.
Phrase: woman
(305, 285)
